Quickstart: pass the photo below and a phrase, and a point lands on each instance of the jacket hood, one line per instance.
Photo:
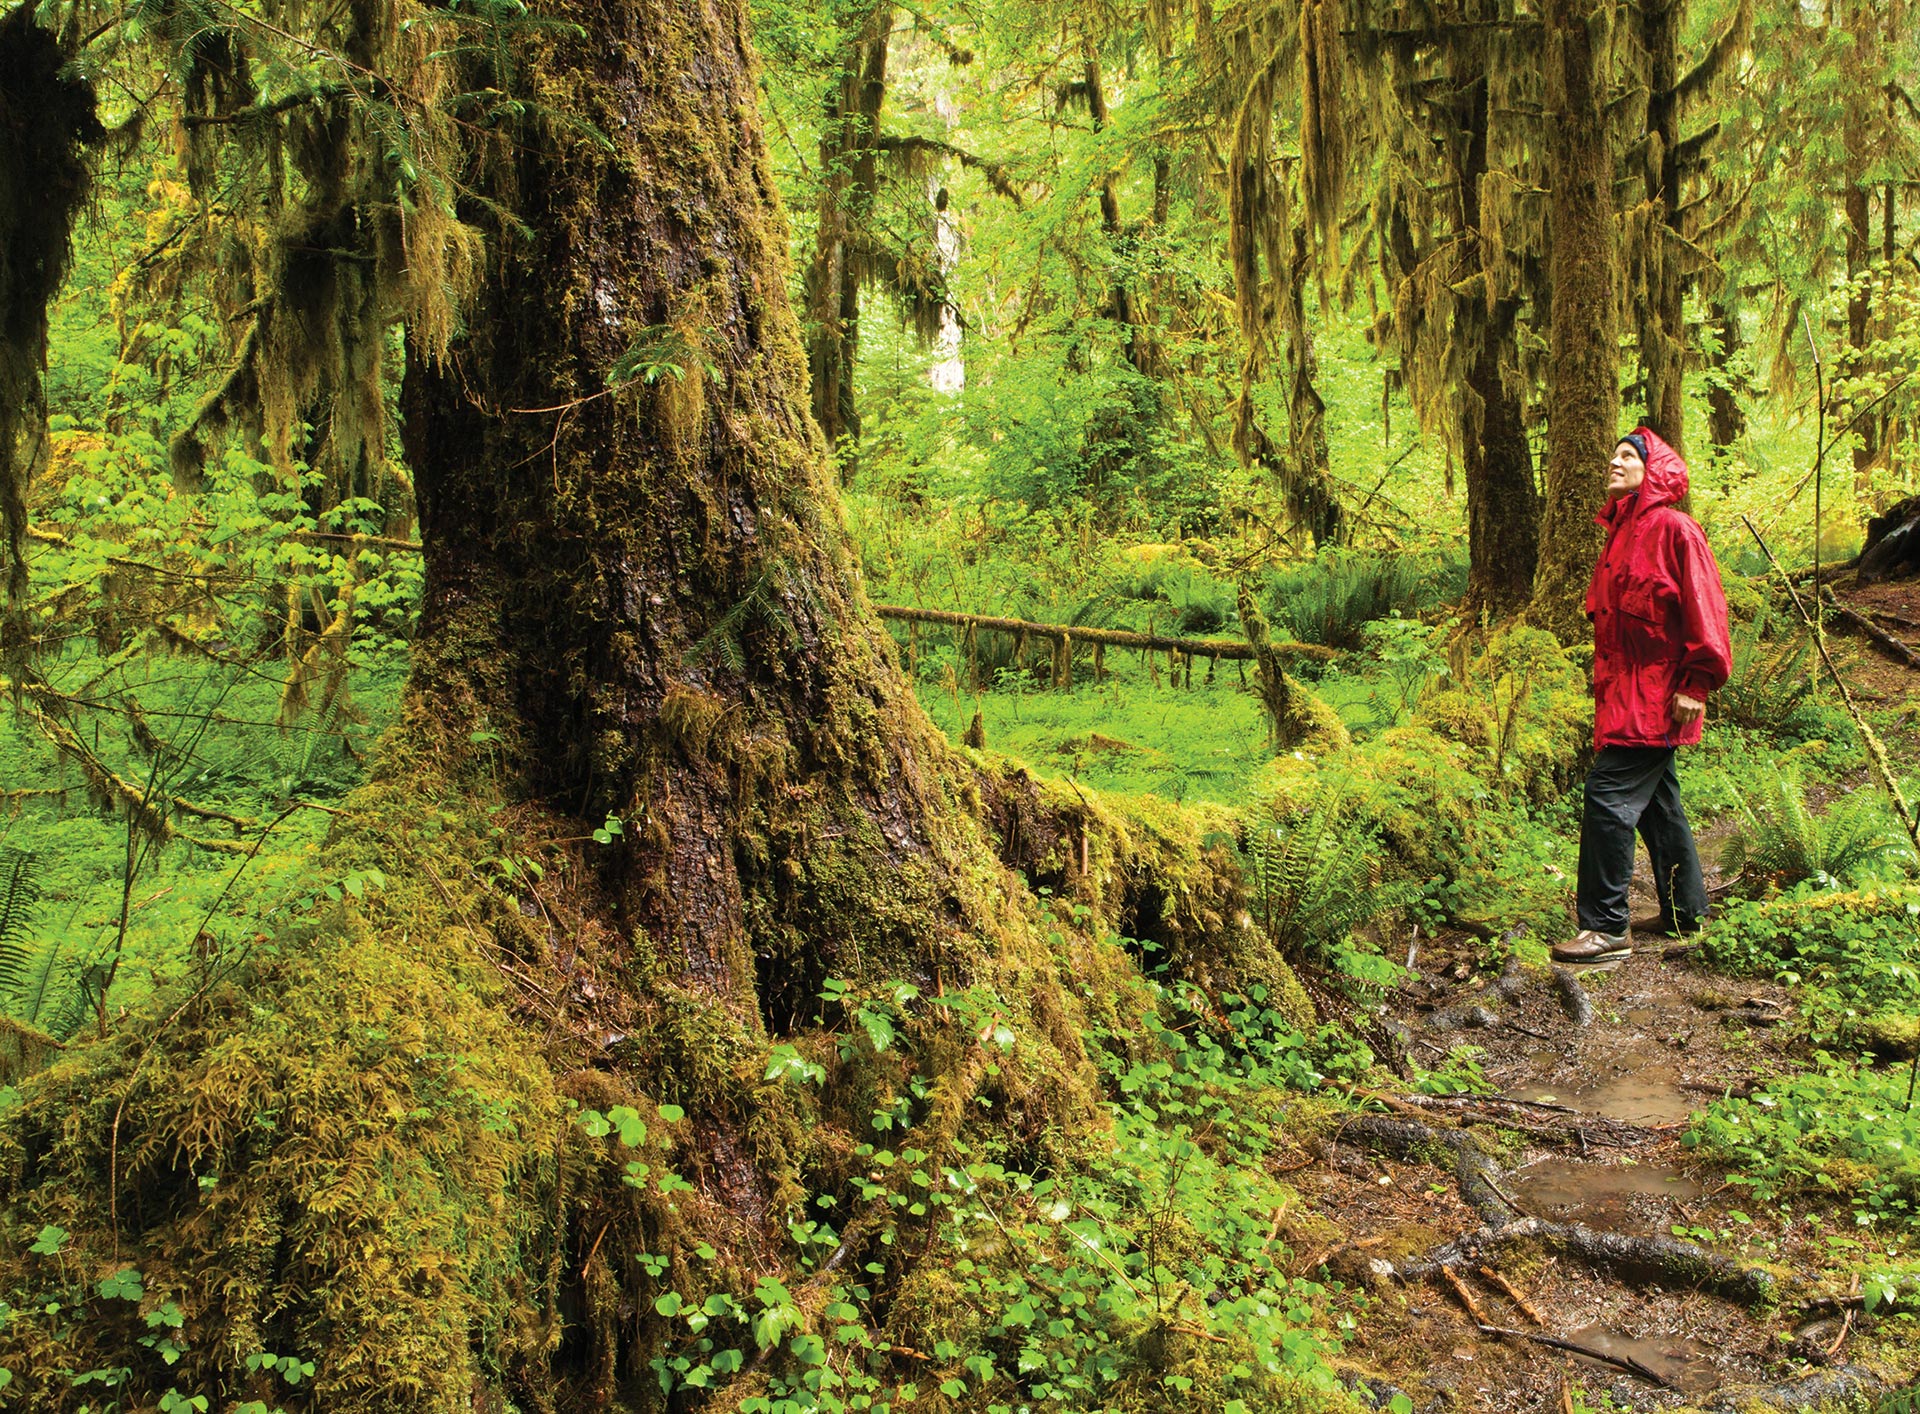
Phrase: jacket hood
(1666, 479)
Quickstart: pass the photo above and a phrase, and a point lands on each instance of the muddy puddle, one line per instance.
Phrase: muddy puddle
(1635, 1198)
(1684, 1363)
(1633, 1087)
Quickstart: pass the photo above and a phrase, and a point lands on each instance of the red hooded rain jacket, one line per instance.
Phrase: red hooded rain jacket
(1659, 613)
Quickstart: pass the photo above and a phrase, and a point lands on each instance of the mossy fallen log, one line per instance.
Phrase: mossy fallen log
(1231, 648)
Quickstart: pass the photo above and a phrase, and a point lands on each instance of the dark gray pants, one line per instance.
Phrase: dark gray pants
(1629, 787)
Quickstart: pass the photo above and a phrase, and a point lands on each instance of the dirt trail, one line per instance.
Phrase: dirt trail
(1497, 1232)
(1581, 1227)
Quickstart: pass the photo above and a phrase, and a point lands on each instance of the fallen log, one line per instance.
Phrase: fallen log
(1230, 648)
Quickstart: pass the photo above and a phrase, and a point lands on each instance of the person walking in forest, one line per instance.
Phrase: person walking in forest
(1660, 647)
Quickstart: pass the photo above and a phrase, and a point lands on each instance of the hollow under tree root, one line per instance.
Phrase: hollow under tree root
(1664, 1260)
(1573, 997)
(1372, 1390)
(1472, 1011)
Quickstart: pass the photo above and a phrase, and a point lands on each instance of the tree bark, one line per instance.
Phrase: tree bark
(1584, 395)
(47, 118)
(849, 173)
(1662, 340)
(1503, 504)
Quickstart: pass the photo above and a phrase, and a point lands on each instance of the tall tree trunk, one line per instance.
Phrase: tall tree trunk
(1584, 396)
(1857, 208)
(1663, 344)
(1887, 416)
(1314, 500)
(1121, 307)
(46, 119)
(1726, 419)
(849, 172)
(1862, 64)
(1503, 504)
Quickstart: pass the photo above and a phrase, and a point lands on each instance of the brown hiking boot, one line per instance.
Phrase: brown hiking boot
(1590, 946)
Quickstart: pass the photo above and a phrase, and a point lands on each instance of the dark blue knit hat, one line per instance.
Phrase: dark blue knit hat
(1637, 442)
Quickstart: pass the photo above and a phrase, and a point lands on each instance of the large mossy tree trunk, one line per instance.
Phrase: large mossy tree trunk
(641, 581)
(355, 1142)
(1583, 378)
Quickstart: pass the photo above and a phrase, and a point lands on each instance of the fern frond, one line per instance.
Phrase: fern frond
(1780, 840)
(50, 994)
(19, 894)
(1314, 881)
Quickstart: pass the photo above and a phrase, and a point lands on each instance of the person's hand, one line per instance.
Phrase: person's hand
(1686, 710)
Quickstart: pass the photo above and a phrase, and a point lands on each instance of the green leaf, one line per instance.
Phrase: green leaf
(50, 1241)
(123, 1285)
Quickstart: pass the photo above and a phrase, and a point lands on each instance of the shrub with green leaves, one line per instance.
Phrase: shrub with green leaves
(1846, 949)
(1842, 1128)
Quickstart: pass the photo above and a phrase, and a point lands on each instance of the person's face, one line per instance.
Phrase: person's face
(1626, 471)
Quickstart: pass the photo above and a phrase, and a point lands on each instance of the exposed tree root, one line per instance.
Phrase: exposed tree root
(1846, 1382)
(1558, 1124)
(1573, 997)
(1631, 1258)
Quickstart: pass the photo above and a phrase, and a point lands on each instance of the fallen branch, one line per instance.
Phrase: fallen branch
(1229, 648)
(1573, 1347)
(1876, 635)
(1464, 1297)
(1876, 749)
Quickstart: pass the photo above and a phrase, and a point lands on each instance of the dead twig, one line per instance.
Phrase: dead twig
(1513, 1294)
(1573, 1347)
(1465, 1297)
